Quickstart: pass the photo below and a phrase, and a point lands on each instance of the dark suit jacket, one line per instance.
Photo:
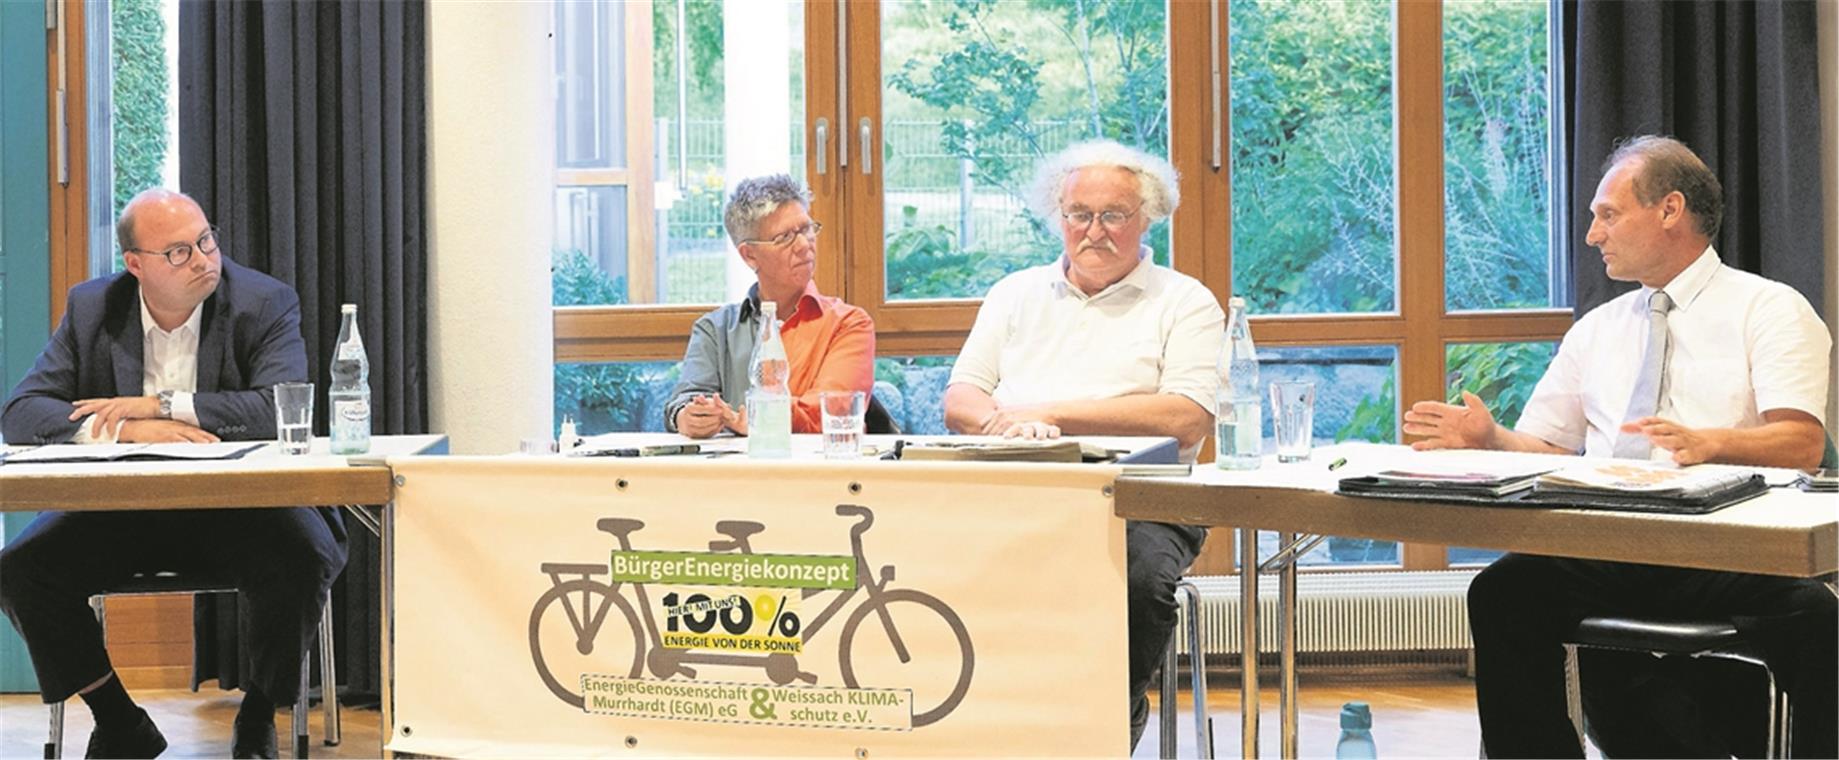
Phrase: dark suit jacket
(248, 340)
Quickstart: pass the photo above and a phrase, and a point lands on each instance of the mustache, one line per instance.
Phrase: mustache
(1103, 244)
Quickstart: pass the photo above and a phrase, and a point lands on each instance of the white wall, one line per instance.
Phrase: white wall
(491, 154)
(1829, 181)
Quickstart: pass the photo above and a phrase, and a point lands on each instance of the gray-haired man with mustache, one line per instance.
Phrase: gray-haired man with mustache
(1102, 342)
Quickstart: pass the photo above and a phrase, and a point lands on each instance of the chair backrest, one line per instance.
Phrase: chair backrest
(877, 421)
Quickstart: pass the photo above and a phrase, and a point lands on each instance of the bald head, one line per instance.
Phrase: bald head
(155, 205)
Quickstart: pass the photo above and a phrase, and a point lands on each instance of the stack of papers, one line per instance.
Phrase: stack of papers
(1823, 481)
(129, 452)
(1008, 451)
(1644, 486)
(1446, 484)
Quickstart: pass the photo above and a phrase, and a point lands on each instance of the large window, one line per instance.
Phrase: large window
(981, 92)
(1378, 182)
(1312, 193)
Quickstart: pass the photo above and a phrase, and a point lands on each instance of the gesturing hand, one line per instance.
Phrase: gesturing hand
(1689, 446)
(110, 411)
(1447, 426)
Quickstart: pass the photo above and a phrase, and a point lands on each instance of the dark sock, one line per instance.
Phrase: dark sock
(256, 707)
(110, 704)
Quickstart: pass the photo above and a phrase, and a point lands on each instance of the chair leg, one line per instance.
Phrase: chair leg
(300, 710)
(54, 741)
(1573, 693)
(328, 679)
(1197, 669)
(1781, 721)
(1166, 710)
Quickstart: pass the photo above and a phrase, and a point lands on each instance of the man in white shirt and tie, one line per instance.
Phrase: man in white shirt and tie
(1704, 363)
(184, 346)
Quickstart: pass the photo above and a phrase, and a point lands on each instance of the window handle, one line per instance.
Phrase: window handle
(842, 84)
(866, 143)
(1213, 89)
(822, 153)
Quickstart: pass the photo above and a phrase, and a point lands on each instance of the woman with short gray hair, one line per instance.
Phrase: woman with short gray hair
(830, 344)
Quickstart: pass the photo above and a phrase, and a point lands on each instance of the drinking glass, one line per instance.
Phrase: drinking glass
(294, 417)
(1293, 417)
(843, 412)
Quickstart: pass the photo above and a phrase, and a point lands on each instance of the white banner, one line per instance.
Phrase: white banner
(730, 607)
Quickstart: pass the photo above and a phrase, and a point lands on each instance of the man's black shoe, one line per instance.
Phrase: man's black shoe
(253, 737)
(140, 739)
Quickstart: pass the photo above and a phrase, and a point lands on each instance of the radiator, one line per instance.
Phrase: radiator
(1342, 612)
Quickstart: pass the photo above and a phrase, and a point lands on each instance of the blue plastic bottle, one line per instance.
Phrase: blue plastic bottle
(1356, 733)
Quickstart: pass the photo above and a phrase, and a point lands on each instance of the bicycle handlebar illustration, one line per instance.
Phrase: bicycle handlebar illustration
(587, 603)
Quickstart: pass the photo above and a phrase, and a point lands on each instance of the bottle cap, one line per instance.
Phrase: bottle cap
(1237, 302)
(1356, 715)
(350, 308)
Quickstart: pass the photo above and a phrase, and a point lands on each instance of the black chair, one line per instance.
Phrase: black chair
(149, 584)
(1693, 638)
(876, 420)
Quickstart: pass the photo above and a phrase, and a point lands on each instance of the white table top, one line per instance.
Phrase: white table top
(264, 477)
(1784, 532)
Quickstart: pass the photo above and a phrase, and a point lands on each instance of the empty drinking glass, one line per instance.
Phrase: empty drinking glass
(294, 417)
(1293, 417)
(843, 412)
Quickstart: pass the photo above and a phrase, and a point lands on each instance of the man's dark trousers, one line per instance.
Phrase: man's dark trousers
(1522, 607)
(1155, 557)
(283, 562)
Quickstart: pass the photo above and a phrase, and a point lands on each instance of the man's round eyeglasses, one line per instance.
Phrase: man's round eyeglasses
(783, 239)
(181, 253)
(1112, 220)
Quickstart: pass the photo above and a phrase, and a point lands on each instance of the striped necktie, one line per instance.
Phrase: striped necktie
(1650, 384)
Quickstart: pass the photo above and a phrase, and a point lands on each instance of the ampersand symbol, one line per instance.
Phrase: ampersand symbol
(760, 710)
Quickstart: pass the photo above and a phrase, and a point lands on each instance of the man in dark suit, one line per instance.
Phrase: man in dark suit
(183, 346)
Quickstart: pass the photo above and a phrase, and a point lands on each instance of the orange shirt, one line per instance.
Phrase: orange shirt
(831, 346)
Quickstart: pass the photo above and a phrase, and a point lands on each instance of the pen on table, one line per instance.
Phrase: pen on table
(1337, 464)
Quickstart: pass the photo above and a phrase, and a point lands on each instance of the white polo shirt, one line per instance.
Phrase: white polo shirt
(1740, 345)
(1039, 339)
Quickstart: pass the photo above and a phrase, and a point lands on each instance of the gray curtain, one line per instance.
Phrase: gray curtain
(302, 134)
(1738, 82)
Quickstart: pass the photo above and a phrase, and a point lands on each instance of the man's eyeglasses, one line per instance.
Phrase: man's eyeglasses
(1112, 220)
(783, 239)
(181, 253)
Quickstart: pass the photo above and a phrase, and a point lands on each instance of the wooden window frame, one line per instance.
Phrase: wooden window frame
(852, 264)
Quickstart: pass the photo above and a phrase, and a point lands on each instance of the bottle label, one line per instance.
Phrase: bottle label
(352, 410)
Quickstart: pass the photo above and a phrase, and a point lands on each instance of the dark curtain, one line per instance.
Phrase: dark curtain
(1737, 82)
(302, 134)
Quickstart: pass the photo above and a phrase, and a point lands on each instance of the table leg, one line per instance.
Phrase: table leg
(1248, 642)
(1286, 662)
(386, 526)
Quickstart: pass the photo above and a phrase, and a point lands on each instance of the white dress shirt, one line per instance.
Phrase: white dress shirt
(1739, 345)
(169, 362)
(1039, 339)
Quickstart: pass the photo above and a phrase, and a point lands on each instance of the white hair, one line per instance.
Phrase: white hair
(1156, 179)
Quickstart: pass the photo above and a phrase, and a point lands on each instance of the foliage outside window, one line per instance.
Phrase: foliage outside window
(1497, 150)
(1312, 189)
(981, 92)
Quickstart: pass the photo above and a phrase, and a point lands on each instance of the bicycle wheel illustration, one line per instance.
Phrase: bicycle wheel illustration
(570, 623)
(929, 635)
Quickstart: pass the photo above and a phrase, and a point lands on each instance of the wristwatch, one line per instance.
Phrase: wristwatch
(165, 405)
